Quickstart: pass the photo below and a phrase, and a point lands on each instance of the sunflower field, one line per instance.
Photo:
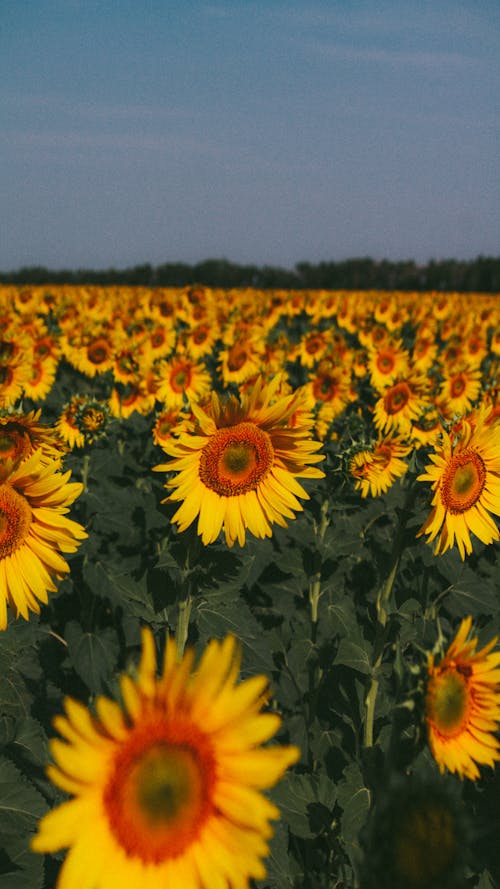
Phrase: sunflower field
(249, 589)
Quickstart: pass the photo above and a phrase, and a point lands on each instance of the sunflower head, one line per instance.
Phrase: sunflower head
(167, 787)
(238, 469)
(416, 837)
(462, 704)
(20, 435)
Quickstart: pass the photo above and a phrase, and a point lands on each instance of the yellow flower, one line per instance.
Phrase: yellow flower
(21, 434)
(34, 531)
(459, 390)
(239, 470)
(167, 788)
(400, 405)
(375, 470)
(465, 477)
(386, 363)
(462, 705)
(181, 378)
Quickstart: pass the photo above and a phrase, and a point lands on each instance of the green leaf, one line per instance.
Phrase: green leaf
(31, 741)
(23, 869)
(20, 803)
(298, 797)
(354, 798)
(93, 655)
(354, 655)
(18, 663)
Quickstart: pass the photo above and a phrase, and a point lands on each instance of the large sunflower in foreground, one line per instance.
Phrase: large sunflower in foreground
(167, 788)
(462, 705)
(34, 531)
(239, 469)
(465, 477)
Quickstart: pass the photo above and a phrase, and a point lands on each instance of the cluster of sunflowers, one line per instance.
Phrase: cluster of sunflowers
(241, 389)
(422, 370)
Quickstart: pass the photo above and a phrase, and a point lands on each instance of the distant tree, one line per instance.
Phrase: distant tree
(359, 273)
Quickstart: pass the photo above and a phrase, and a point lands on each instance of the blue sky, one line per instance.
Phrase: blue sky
(263, 132)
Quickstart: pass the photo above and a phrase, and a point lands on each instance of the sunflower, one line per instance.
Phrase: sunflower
(240, 469)
(417, 835)
(462, 705)
(465, 478)
(20, 435)
(67, 426)
(38, 385)
(386, 363)
(181, 378)
(375, 470)
(241, 360)
(459, 390)
(166, 789)
(400, 405)
(13, 376)
(425, 349)
(34, 530)
(169, 423)
(313, 347)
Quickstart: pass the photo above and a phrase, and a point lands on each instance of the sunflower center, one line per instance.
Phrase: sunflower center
(157, 338)
(180, 378)
(237, 358)
(397, 398)
(448, 701)
(98, 352)
(457, 386)
(463, 482)
(425, 844)
(385, 363)
(324, 388)
(13, 444)
(160, 791)
(15, 520)
(236, 459)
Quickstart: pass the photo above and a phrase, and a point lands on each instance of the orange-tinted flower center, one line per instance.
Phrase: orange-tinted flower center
(314, 344)
(238, 356)
(159, 793)
(457, 386)
(200, 335)
(397, 398)
(324, 388)
(180, 377)
(158, 337)
(98, 351)
(15, 520)
(447, 701)
(385, 362)
(425, 844)
(14, 444)
(463, 482)
(236, 459)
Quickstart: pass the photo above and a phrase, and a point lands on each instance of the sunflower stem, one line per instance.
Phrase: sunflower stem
(85, 472)
(314, 597)
(183, 624)
(315, 581)
(383, 597)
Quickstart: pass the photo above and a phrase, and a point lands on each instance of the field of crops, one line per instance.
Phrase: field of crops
(249, 589)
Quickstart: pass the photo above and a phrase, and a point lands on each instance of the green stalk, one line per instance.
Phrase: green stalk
(383, 596)
(183, 624)
(371, 698)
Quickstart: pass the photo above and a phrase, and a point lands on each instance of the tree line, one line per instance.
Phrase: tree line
(480, 275)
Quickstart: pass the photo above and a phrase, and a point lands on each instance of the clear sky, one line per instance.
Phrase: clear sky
(262, 132)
